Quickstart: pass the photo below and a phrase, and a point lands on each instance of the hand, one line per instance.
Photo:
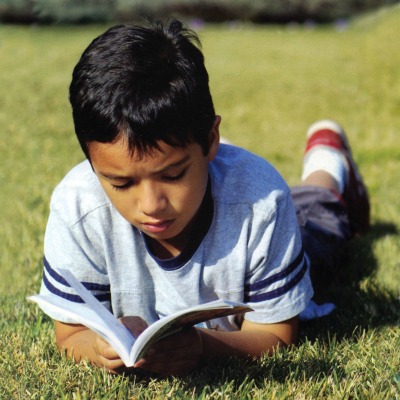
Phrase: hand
(106, 355)
(176, 354)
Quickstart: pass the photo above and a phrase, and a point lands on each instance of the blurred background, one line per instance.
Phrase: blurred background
(275, 66)
(200, 11)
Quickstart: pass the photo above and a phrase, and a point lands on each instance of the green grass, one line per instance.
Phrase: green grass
(269, 84)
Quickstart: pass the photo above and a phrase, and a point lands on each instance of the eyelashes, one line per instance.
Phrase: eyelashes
(167, 178)
(122, 187)
(176, 177)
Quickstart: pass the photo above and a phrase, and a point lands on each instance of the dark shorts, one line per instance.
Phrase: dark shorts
(323, 222)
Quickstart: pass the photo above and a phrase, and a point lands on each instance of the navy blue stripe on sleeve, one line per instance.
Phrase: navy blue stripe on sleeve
(71, 297)
(281, 290)
(277, 277)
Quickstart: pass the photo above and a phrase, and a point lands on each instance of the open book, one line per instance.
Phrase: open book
(99, 319)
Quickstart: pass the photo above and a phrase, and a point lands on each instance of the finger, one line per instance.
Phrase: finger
(171, 356)
(188, 340)
(135, 324)
(174, 355)
(109, 353)
(114, 366)
(105, 350)
(173, 361)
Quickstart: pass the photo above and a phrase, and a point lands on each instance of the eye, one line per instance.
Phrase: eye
(173, 178)
(126, 186)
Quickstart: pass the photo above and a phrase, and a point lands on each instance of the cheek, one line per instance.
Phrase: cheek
(127, 210)
(193, 197)
(122, 204)
(120, 201)
(184, 199)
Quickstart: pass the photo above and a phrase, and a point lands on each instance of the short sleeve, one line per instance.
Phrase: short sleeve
(278, 285)
(77, 247)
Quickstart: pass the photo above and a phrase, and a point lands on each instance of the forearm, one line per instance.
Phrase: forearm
(82, 343)
(239, 344)
(79, 345)
(254, 340)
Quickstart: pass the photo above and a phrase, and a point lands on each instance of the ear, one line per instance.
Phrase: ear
(214, 139)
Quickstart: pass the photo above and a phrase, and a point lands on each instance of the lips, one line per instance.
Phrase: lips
(157, 226)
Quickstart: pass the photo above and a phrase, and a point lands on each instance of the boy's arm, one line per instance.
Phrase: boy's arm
(81, 343)
(181, 352)
(178, 353)
(253, 340)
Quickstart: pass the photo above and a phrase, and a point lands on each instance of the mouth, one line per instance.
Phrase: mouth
(157, 226)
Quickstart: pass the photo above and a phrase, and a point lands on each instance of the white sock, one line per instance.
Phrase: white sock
(328, 160)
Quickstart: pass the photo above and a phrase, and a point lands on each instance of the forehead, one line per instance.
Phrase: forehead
(118, 155)
(100, 150)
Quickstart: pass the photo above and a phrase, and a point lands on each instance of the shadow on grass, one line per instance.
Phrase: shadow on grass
(360, 306)
(240, 377)
(357, 308)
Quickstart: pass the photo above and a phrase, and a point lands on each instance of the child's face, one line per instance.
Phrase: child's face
(160, 193)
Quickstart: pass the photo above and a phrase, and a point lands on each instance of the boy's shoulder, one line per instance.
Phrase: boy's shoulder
(78, 193)
(244, 174)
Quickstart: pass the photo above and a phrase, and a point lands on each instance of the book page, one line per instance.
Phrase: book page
(181, 319)
(110, 321)
(119, 338)
(97, 317)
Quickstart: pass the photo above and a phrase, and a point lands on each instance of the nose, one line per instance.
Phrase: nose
(151, 199)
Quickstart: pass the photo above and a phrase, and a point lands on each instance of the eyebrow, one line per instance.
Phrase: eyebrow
(166, 168)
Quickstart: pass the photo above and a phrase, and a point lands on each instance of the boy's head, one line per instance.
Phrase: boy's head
(145, 84)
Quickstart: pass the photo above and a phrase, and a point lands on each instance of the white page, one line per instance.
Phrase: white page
(96, 317)
(103, 322)
(163, 326)
(121, 339)
(110, 321)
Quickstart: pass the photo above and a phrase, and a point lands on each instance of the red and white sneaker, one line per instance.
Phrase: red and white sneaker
(328, 133)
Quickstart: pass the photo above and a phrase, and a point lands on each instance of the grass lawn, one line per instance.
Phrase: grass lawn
(269, 84)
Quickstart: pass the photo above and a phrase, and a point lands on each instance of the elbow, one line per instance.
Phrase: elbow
(290, 335)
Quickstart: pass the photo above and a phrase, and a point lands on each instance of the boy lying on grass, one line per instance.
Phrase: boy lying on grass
(161, 216)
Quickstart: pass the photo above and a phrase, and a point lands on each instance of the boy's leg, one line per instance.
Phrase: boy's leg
(325, 136)
(332, 201)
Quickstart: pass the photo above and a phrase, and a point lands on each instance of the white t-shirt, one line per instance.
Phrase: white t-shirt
(252, 251)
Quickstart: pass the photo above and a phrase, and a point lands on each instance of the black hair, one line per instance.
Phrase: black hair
(147, 83)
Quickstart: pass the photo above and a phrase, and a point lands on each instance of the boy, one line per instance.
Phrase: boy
(161, 217)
